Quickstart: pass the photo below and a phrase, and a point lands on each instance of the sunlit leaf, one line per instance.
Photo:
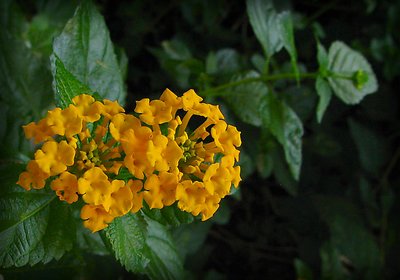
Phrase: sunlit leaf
(85, 49)
(285, 125)
(66, 85)
(287, 36)
(325, 94)
(354, 77)
(145, 246)
(35, 227)
(265, 23)
(243, 99)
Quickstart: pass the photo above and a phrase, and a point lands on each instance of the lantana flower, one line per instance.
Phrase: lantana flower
(85, 147)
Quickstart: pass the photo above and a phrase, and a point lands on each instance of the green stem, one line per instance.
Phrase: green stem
(216, 91)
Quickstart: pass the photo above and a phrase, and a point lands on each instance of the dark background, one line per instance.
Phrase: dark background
(343, 222)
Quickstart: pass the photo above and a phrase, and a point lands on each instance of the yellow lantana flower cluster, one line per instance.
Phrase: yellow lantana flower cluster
(87, 149)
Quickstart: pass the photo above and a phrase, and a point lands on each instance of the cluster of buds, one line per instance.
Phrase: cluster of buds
(115, 161)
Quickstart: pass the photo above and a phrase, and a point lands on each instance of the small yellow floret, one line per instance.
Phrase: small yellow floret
(160, 189)
(66, 187)
(54, 157)
(96, 218)
(34, 177)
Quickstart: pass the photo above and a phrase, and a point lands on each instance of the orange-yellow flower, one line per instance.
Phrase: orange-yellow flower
(120, 200)
(227, 138)
(87, 108)
(66, 187)
(53, 158)
(95, 187)
(160, 189)
(34, 177)
(95, 217)
(153, 112)
(135, 145)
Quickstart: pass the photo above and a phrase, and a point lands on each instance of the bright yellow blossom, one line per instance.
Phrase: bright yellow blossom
(95, 187)
(160, 189)
(66, 187)
(87, 108)
(87, 148)
(95, 217)
(54, 157)
(34, 177)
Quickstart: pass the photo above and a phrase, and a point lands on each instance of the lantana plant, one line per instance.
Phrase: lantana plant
(85, 148)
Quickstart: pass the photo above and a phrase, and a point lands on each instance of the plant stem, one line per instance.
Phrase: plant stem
(217, 91)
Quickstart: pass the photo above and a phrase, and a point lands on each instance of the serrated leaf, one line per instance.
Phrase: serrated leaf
(35, 228)
(265, 23)
(169, 215)
(345, 61)
(325, 94)
(143, 245)
(283, 123)
(127, 236)
(66, 85)
(287, 36)
(86, 50)
(243, 99)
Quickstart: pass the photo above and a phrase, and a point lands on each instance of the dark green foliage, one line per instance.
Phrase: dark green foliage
(320, 152)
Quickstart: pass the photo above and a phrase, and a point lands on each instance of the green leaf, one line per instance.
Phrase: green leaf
(86, 50)
(242, 98)
(286, 127)
(191, 237)
(127, 235)
(349, 237)
(325, 94)
(370, 145)
(346, 65)
(332, 268)
(265, 23)
(89, 242)
(35, 228)
(165, 262)
(176, 50)
(287, 36)
(169, 215)
(66, 85)
(176, 59)
(41, 33)
(143, 245)
(223, 62)
(303, 271)
(282, 172)
(323, 60)
(25, 81)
